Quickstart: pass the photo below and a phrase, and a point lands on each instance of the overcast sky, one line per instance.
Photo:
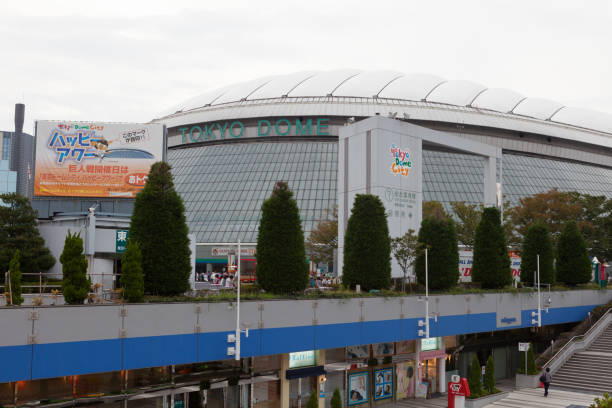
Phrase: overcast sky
(128, 60)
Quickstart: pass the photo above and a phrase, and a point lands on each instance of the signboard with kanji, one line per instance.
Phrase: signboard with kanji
(121, 237)
(85, 159)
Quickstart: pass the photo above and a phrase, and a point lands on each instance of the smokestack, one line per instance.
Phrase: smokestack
(19, 116)
(16, 139)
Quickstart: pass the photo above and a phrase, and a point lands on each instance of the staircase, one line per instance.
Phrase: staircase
(589, 364)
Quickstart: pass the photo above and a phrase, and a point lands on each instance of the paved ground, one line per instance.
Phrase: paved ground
(524, 398)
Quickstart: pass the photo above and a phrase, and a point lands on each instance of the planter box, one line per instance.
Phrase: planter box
(527, 381)
(484, 401)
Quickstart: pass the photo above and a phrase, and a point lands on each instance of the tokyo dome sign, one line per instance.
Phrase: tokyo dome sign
(261, 128)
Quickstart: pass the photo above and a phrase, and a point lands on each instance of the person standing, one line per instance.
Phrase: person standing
(546, 378)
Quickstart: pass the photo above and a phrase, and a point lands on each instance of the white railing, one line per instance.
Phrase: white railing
(579, 342)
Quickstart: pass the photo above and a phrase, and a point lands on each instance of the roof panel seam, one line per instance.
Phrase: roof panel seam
(475, 97)
(299, 83)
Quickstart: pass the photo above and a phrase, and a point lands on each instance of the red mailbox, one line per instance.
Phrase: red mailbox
(458, 389)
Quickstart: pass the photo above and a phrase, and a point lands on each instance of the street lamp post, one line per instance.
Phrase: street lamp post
(538, 322)
(235, 338)
(426, 322)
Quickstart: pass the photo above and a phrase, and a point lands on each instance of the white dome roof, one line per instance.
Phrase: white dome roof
(396, 86)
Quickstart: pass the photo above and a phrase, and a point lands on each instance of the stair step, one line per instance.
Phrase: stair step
(581, 383)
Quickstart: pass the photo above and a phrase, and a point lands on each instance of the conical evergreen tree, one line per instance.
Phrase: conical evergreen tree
(573, 263)
(15, 280)
(336, 400)
(158, 225)
(440, 238)
(536, 242)
(491, 267)
(281, 255)
(474, 380)
(76, 284)
(19, 231)
(312, 401)
(132, 281)
(367, 245)
(489, 380)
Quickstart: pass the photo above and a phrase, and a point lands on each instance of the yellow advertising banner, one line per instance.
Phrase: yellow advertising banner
(95, 159)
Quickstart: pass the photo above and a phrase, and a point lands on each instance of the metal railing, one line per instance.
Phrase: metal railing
(573, 345)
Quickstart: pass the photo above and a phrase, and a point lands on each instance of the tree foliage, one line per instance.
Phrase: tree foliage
(491, 265)
(367, 245)
(489, 379)
(404, 250)
(440, 239)
(76, 284)
(323, 240)
(536, 242)
(573, 263)
(604, 402)
(19, 231)
(468, 217)
(281, 255)
(132, 280)
(158, 225)
(474, 380)
(434, 209)
(531, 362)
(13, 293)
(313, 401)
(336, 399)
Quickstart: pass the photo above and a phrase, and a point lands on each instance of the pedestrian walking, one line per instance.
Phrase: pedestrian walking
(545, 378)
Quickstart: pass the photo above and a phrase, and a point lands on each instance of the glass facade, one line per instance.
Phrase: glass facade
(224, 185)
(8, 179)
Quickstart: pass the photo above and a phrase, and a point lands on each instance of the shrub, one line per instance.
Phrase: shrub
(14, 292)
(537, 241)
(573, 263)
(313, 402)
(132, 281)
(474, 378)
(531, 364)
(75, 284)
(491, 267)
(489, 380)
(281, 256)
(440, 237)
(604, 402)
(336, 400)
(158, 225)
(367, 245)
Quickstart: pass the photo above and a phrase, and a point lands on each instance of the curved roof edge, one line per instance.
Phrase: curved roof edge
(398, 86)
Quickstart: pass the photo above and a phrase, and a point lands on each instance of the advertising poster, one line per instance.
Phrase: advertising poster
(358, 351)
(383, 349)
(357, 388)
(383, 383)
(405, 347)
(405, 379)
(466, 258)
(85, 159)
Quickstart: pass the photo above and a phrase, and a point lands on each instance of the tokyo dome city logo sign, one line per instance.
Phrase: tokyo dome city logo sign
(402, 161)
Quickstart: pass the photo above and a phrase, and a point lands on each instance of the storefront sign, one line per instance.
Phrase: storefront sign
(357, 388)
(236, 129)
(224, 251)
(383, 383)
(432, 343)
(383, 349)
(302, 359)
(83, 159)
(121, 237)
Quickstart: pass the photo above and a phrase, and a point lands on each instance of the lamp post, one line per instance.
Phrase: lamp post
(235, 351)
(539, 312)
(426, 322)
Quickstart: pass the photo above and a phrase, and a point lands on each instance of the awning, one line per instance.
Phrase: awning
(305, 372)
